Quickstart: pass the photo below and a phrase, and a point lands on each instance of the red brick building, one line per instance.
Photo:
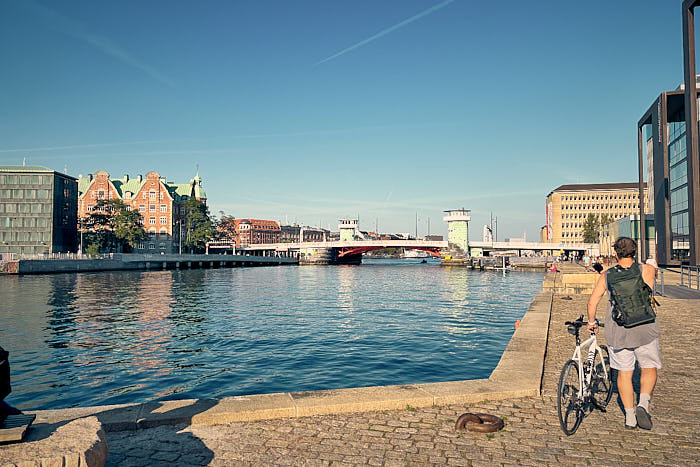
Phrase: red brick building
(256, 231)
(159, 202)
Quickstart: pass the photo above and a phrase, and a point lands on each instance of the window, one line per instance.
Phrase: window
(152, 194)
(128, 207)
(90, 207)
(127, 195)
(142, 208)
(163, 220)
(151, 246)
(141, 246)
(101, 194)
(145, 195)
(163, 208)
(151, 208)
(151, 220)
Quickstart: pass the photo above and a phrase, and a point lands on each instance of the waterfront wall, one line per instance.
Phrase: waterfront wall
(139, 262)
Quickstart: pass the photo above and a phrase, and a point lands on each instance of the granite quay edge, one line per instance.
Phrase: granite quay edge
(518, 374)
(130, 262)
(79, 442)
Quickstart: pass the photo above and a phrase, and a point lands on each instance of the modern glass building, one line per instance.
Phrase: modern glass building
(38, 211)
(663, 150)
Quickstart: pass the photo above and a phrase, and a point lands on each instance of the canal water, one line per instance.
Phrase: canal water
(134, 336)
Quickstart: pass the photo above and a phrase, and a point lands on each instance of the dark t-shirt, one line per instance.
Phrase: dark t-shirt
(598, 267)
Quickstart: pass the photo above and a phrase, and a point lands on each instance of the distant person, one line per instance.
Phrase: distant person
(597, 266)
(632, 332)
(587, 262)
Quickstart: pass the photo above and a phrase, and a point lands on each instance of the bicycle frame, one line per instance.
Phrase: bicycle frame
(592, 344)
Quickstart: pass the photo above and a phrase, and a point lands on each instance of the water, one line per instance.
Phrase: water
(134, 336)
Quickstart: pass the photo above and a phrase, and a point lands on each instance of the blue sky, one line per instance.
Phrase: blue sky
(311, 111)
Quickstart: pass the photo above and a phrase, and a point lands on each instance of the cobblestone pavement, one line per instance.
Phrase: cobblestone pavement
(427, 436)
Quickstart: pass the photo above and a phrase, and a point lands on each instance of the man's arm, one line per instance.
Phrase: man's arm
(649, 275)
(597, 294)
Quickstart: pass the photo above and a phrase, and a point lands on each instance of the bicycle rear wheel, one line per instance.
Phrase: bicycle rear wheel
(569, 404)
(601, 380)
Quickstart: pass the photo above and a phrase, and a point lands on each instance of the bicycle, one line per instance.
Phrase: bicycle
(583, 385)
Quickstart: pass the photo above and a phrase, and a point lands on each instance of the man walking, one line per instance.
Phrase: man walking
(629, 344)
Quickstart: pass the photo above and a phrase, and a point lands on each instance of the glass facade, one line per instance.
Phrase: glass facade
(37, 211)
(678, 188)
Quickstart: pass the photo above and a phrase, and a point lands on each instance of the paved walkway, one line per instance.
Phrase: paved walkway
(427, 436)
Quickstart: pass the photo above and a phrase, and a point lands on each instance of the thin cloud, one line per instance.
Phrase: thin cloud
(78, 146)
(104, 44)
(387, 31)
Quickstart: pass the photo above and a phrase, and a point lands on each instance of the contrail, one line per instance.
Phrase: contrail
(104, 44)
(387, 31)
(77, 146)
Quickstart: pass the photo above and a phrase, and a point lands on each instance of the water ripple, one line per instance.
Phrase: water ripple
(117, 337)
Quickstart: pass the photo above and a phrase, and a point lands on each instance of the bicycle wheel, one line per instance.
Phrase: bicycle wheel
(601, 379)
(569, 404)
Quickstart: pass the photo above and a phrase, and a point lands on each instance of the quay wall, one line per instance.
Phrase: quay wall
(518, 374)
(120, 262)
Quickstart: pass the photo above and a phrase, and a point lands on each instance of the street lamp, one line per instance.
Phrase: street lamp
(179, 237)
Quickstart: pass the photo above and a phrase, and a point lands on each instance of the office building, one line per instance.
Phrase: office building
(256, 231)
(568, 207)
(38, 211)
(663, 153)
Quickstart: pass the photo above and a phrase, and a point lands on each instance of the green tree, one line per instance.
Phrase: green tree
(199, 227)
(110, 226)
(99, 229)
(127, 225)
(591, 229)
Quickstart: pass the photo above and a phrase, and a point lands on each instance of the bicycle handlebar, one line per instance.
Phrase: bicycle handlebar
(580, 323)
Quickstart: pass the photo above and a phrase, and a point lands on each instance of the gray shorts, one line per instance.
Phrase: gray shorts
(646, 355)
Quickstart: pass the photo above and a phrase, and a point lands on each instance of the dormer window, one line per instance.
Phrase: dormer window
(127, 195)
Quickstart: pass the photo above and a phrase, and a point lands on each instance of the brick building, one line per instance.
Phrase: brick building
(256, 231)
(159, 202)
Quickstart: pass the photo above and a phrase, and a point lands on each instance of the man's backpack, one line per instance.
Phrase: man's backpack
(630, 296)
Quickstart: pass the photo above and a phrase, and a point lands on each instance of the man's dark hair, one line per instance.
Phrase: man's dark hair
(625, 247)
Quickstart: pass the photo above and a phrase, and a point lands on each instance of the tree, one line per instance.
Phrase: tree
(111, 227)
(591, 229)
(98, 228)
(226, 228)
(199, 226)
(127, 225)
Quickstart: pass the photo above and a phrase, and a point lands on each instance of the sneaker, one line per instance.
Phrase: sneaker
(643, 419)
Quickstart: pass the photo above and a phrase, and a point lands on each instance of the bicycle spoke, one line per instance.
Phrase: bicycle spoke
(569, 406)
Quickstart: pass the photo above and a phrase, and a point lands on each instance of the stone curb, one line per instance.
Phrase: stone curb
(518, 374)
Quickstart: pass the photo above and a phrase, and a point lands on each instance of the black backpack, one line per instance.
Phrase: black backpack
(630, 296)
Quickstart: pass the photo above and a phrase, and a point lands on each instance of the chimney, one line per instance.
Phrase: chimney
(126, 178)
(139, 177)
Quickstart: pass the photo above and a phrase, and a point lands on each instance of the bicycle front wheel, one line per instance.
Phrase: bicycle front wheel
(569, 404)
(601, 379)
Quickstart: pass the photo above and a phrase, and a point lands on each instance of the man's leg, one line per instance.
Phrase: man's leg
(626, 391)
(647, 381)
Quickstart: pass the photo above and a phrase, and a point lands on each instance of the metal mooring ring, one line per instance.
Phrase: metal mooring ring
(479, 422)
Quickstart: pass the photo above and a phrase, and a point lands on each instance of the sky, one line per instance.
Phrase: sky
(310, 111)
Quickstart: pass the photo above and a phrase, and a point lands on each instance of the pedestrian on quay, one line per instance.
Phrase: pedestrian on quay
(629, 344)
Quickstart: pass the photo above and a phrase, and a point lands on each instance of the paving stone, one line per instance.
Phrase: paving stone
(424, 436)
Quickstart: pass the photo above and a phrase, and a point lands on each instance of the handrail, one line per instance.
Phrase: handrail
(691, 271)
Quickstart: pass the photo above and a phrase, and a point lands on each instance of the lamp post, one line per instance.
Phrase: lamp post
(179, 237)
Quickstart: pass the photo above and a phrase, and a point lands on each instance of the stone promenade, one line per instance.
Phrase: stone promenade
(427, 436)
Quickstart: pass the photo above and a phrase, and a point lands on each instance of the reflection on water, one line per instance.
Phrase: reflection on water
(129, 336)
